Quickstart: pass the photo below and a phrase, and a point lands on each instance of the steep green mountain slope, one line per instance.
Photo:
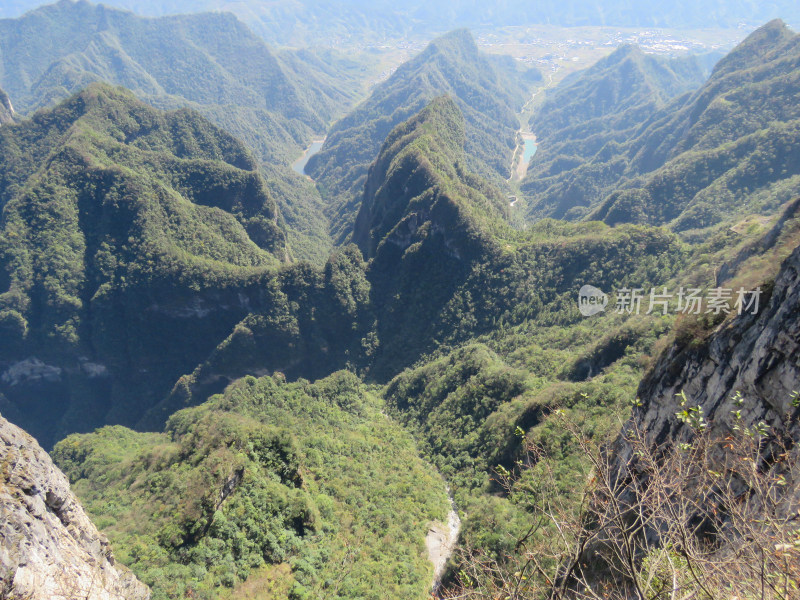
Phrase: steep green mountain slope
(725, 150)
(275, 102)
(488, 316)
(510, 417)
(209, 59)
(445, 265)
(452, 64)
(119, 224)
(137, 246)
(302, 321)
(495, 414)
(307, 486)
(421, 167)
(595, 111)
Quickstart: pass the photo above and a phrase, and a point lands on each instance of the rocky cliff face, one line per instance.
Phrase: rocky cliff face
(757, 356)
(49, 549)
(6, 110)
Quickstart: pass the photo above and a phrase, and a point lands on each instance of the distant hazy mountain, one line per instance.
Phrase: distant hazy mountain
(704, 157)
(212, 61)
(628, 83)
(486, 91)
(593, 111)
(310, 22)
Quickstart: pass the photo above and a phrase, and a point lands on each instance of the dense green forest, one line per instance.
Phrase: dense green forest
(244, 424)
(120, 223)
(269, 475)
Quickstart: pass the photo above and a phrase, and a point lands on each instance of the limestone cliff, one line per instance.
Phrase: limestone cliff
(6, 110)
(757, 356)
(49, 549)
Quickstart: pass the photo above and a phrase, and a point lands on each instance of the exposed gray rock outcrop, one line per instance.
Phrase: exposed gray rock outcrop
(49, 549)
(6, 110)
(757, 356)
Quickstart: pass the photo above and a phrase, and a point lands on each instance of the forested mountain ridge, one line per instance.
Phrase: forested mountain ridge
(485, 93)
(695, 161)
(422, 162)
(446, 265)
(275, 101)
(711, 408)
(224, 69)
(119, 223)
(426, 222)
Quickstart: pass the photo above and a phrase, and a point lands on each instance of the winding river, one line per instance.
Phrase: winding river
(299, 166)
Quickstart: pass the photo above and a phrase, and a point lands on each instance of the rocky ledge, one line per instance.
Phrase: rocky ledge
(754, 356)
(49, 549)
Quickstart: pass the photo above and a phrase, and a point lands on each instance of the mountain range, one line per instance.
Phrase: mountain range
(487, 91)
(275, 101)
(694, 161)
(241, 423)
(311, 22)
(103, 196)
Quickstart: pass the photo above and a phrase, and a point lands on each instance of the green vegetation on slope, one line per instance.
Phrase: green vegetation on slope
(303, 322)
(420, 167)
(138, 246)
(485, 93)
(273, 101)
(446, 266)
(312, 475)
(724, 151)
(595, 110)
(115, 217)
